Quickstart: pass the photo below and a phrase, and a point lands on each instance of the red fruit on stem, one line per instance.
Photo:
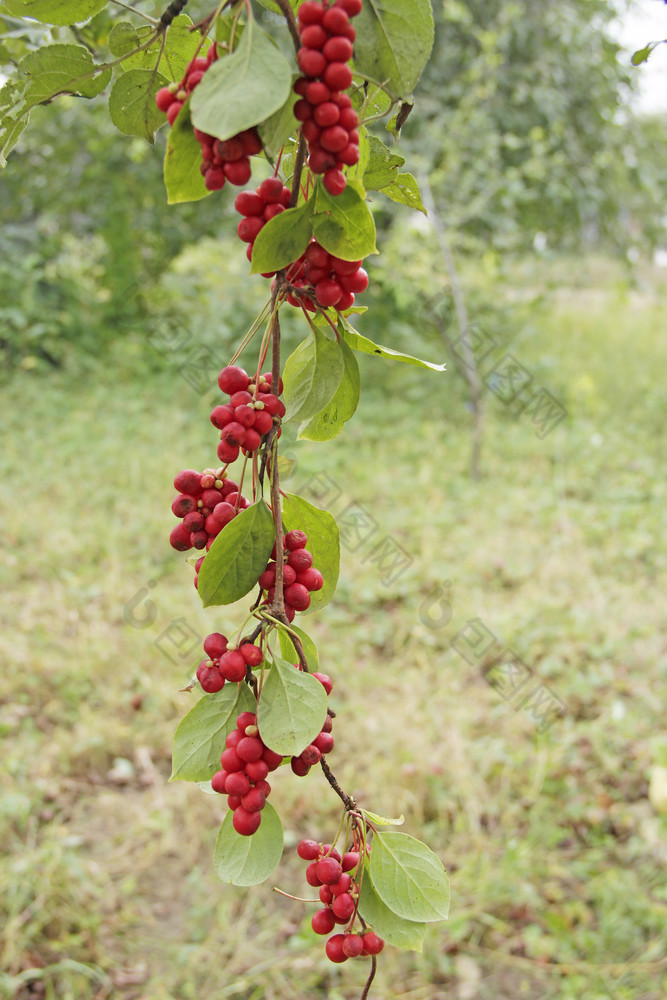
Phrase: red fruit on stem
(334, 181)
(351, 7)
(250, 748)
(297, 595)
(373, 944)
(233, 378)
(342, 885)
(210, 678)
(271, 190)
(251, 141)
(311, 12)
(251, 653)
(188, 481)
(254, 801)
(324, 742)
(249, 202)
(337, 75)
(183, 504)
(313, 36)
(338, 49)
(325, 681)
(223, 513)
(326, 895)
(323, 922)
(310, 578)
(164, 97)
(328, 292)
(301, 770)
(327, 114)
(329, 871)
(312, 878)
(230, 760)
(353, 945)
(350, 861)
(334, 948)
(311, 755)
(215, 645)
(232, 666)
(308, 850)
(311, 62)
(221, 415)
(180, 539)
(257, 770)
(246, 823)
(218, 781)
(240, 171)
(238, 784)
(174, 108)
(317, 93)
(357, 282)
(248, 229)
(343, 905)
(272, 759)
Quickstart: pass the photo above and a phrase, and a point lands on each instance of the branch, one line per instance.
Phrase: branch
(172, 11)
(346, 799)
(288, 14)
(370, 979)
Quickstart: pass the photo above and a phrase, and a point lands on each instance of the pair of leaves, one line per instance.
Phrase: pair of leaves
(343, 225)
(322, 385)
(404, 888)
(382, 173)
(394, 41)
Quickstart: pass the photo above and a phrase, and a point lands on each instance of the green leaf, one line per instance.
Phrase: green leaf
(60, 69)
(249, 860)
(382, 820)
(382, 168)
(200, 736)
(237, 557)
(182, 160)
(288, 652)
(312, 374)
(359, 343)
(10, 133)
(328, 423)
(54, 11)
(405, 191)
(180, 46)
(292, 709)
(132, 103)
(394, 41)
(283, 239)
(323, 542)
(395, 930)
(641, 55)
(408, 877)
(244, 88)
(343, 224)
(279, 127)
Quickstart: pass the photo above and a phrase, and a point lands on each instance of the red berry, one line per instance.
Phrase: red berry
(250, 748)
(317, 92)
(343, 905)
(198, 539)
(325, 681)
(251, 653)
(252, 440)
(334, 139)
(262, 783)
(272, 759)
(303, 111)
(337, 75)
(175, 107)
(345, 302)
(210, 498)
(348, 119)
(249, 203)
(223, 513)
(254, 800)
(311, 131)
(233, 801)
(233, 378)
(188, 481)
(234, 434)
(237, 784)
(353, 945)
(218, 781)
(297, 595)
(240, 171)
(323, 922)
(301, 770)
(338, 49)
(328, 292)
(311, 755)
(251, 142)
(320, 160)
(263, 421)
(227, 452)
(164, 97)
(267, 579)
(248, 229)
(334, 181)
(334, 948)
(373, 944)
(357, 282)
(343, 267)
(335, 20)
(326, 114)
(210, 678)
(215, 645)
(230, 760)
(313, 36)
(310, 12)
(326, 895)
(312, 878)
(271, 211)
(329, 871)
(342, 885)
(232, 666)
(350, 860)
(179, 539)
(300, 86)
(246, 823)
(271, 190)
(183, 504)
(221, 415)
(214, 178)
(324, 742)
(300, 560)
(290, 614)
(311, 62)
(348, 156)
(296, 539)
(351, 7)
(311, 579)
(234, 738)
(257, 770)
(308, 850)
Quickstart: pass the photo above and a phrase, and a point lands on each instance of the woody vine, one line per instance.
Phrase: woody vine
(231, 94)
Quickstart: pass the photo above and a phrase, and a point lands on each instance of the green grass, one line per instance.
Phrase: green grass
(553, 849)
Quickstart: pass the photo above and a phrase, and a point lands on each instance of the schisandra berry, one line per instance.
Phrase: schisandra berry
(204, 510)
(249, 415)
(222, 159)
(373, 944)
(259, 207)
(328, 120)
(246, 761)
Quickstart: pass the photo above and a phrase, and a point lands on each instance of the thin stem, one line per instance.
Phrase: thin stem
(279, 599)
(299, 161)
(288, 14)
(139, 13)
(346, 799)
(370, 979)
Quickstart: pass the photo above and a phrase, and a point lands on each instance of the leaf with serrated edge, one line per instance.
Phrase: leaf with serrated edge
(360, 343)
(132, 103)
(292, 709)
(383, 165)
(394, 41)
(405, 191)
(328, 423)
(408, 877)
(343, 224)
(251, 860)
(237, 557)
(60, 12)
(200, 736)
(382, 820)
(312, 375)
(288, 652)
(244, 88)
(395, 930)
(182, 160)
(323, 542)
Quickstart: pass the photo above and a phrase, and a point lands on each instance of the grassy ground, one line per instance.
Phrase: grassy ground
(555, 854)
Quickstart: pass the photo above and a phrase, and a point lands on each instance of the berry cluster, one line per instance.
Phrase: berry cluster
(329, 122)
(257, 207)
(246, 762)
(339, 892)
(321, 745)
(223, 160)
(299, 575)
(225, 664)
(206, 502)
(248, 416)
(335, 282)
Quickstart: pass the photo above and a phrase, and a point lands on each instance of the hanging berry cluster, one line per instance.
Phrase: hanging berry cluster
(329, 122)
(248, 417)
(222, 160)
(246, 762)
